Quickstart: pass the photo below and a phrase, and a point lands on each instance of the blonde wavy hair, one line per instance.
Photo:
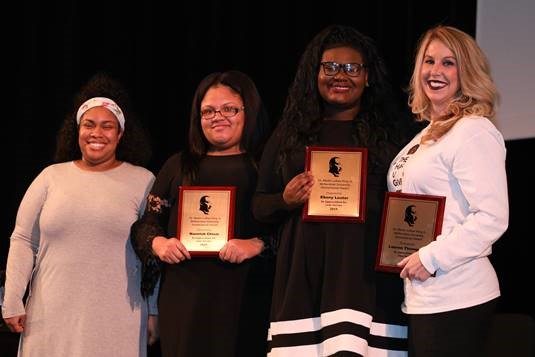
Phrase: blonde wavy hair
(477, 95)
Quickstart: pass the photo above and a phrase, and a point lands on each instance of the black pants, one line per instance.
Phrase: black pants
(456, 333)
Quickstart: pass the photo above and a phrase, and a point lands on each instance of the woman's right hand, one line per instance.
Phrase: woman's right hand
(297, 191)
(16, 323)
(170, 250)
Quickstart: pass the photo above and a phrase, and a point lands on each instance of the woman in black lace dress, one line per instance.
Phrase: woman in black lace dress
(211, 306)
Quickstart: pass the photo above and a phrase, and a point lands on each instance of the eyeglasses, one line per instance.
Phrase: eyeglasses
(351, 69)
(209, 113)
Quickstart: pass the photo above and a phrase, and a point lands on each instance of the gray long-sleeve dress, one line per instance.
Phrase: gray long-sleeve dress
(71, 245)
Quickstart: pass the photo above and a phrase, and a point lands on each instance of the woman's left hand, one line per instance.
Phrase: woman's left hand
(237, 250)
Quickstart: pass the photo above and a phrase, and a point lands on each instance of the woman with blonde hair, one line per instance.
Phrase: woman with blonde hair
(451, 288)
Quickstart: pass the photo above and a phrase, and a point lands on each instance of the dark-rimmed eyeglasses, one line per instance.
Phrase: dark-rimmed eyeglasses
(351, 69)
(228, 111)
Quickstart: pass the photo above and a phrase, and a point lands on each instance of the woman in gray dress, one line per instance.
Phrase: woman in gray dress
(70, 249)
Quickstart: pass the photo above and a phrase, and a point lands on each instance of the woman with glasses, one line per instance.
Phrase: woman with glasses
(451, 288)
(211, 306)
(327, 298)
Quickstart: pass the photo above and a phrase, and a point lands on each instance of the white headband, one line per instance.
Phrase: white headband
(101, 102)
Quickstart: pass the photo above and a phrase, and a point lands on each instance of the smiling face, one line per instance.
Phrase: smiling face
(342, 92)
(98, 136)
(439, 77)
(223, 133)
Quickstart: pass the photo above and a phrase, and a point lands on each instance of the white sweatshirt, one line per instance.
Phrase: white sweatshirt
(467, 166)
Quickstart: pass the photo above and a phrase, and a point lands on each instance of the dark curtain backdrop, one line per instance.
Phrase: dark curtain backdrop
(162, 50)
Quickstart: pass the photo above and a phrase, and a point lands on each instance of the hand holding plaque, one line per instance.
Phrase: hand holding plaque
(339, 192)
(205, 218)
(409, 222)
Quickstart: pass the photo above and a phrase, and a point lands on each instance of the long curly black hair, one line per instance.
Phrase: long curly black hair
(134, 146)
(303, 112)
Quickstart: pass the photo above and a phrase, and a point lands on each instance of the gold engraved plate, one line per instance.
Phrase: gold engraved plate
(409, 222)
(339, 191)
(205, 218)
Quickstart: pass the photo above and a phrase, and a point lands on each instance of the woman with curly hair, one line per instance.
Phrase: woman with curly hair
(451, 288)
(70, 245)
(327, 298)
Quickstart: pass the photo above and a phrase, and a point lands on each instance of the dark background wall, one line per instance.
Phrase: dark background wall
(161, 54)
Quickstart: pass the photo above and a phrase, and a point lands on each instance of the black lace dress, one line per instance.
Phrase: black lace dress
(207, 307)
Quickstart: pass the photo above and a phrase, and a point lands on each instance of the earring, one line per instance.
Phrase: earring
(367, 84)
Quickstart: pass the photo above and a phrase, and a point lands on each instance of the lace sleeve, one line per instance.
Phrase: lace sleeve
(270, 245)
(143, 232)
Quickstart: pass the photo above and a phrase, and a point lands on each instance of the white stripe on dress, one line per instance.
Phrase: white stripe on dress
(334, 317)
(336, 344)
(345, 342)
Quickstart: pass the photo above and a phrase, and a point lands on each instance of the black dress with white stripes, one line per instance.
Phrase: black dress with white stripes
(328, 300)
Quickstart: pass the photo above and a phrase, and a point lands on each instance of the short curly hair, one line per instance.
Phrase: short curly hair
(134, 146)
